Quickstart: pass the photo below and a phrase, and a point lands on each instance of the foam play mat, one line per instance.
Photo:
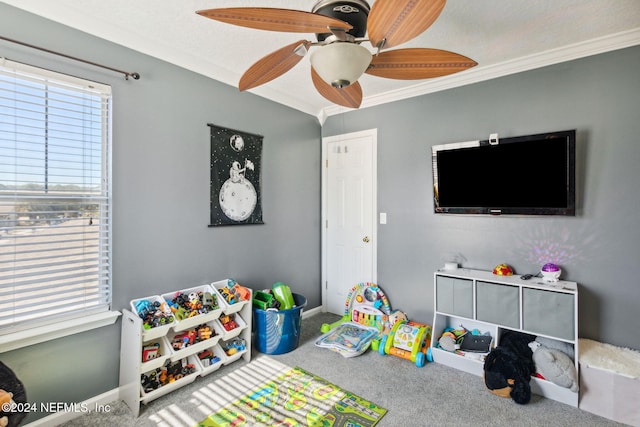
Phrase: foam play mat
(297, 398)
(349, 339)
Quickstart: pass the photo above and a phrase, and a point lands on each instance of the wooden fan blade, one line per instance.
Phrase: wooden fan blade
(394, 22)
(274, 65)
(273, 19)
(418, 63)
(350, 96)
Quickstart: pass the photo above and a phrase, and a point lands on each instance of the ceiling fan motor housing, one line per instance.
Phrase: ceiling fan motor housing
(354, 12)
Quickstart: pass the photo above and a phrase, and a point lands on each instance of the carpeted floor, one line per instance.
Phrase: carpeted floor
(434, 395)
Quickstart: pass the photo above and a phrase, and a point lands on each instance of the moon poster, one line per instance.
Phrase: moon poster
(235, 177)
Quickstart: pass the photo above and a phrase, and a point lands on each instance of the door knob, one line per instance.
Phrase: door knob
(366, 239)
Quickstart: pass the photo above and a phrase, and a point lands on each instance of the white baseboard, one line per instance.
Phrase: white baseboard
(312, 312)
(69, 412)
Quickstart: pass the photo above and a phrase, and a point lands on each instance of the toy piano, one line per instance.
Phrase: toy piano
(366, 316)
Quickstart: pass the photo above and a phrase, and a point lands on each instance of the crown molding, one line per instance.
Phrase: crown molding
(479, 74)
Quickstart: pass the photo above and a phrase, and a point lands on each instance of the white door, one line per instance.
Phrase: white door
(349, 215)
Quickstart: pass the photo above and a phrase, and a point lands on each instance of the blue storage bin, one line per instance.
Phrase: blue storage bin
(278, 331)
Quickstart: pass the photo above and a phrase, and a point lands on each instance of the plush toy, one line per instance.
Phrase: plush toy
(5, 397)
(562, 346)
(11, 390)
(451, 338)
(509, 366)
(555, 366)
(394, 317)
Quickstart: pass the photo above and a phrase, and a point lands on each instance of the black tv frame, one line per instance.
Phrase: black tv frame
(569, 209)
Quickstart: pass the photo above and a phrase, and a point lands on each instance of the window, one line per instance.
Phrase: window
(55, 198)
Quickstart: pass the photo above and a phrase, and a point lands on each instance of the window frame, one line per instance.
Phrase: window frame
(31, 332)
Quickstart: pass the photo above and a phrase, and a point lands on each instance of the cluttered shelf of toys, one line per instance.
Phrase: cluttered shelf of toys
(494, 325)
(169, 340)
(474, 346)
(463, 337)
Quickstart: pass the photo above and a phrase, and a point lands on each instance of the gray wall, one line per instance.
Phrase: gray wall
(161, 197)
(598, 96)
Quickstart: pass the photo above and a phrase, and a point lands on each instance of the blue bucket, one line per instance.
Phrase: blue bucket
(278, 331)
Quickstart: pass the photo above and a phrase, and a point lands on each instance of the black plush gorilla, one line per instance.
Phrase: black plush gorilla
(509, 366)
(10, 383)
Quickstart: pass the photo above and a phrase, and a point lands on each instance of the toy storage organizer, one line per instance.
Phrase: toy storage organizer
(135, 338)
(495, 304)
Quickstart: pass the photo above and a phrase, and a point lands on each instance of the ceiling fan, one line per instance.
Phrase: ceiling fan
(339, 59)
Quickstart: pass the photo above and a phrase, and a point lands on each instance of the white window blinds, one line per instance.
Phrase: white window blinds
(55, 197)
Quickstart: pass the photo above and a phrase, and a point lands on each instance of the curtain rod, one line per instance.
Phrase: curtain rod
(134, 76)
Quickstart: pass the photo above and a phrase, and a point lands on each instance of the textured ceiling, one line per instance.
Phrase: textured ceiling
(503, 36)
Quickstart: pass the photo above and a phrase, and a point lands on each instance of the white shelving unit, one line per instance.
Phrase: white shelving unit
(134, 337)
(490, 303)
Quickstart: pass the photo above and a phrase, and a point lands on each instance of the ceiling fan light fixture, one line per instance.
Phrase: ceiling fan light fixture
(341, 63)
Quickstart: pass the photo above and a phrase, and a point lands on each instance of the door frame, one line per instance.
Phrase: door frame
(373, 135)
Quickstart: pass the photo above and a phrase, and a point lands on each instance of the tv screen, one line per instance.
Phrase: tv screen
(524, 175)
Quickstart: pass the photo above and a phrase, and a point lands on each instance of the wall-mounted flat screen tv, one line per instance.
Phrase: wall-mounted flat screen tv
(523, 175)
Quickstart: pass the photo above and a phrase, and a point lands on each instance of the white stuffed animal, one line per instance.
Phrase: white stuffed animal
(564, 347)
(554, 366)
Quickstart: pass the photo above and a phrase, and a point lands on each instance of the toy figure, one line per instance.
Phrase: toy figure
(234, 346)
(150, 380)
(227, 295)
(208, 358)
(394, 317)
(153, 313)
(204, 332)
(150, 352)
(207, 299)
(228, 322)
